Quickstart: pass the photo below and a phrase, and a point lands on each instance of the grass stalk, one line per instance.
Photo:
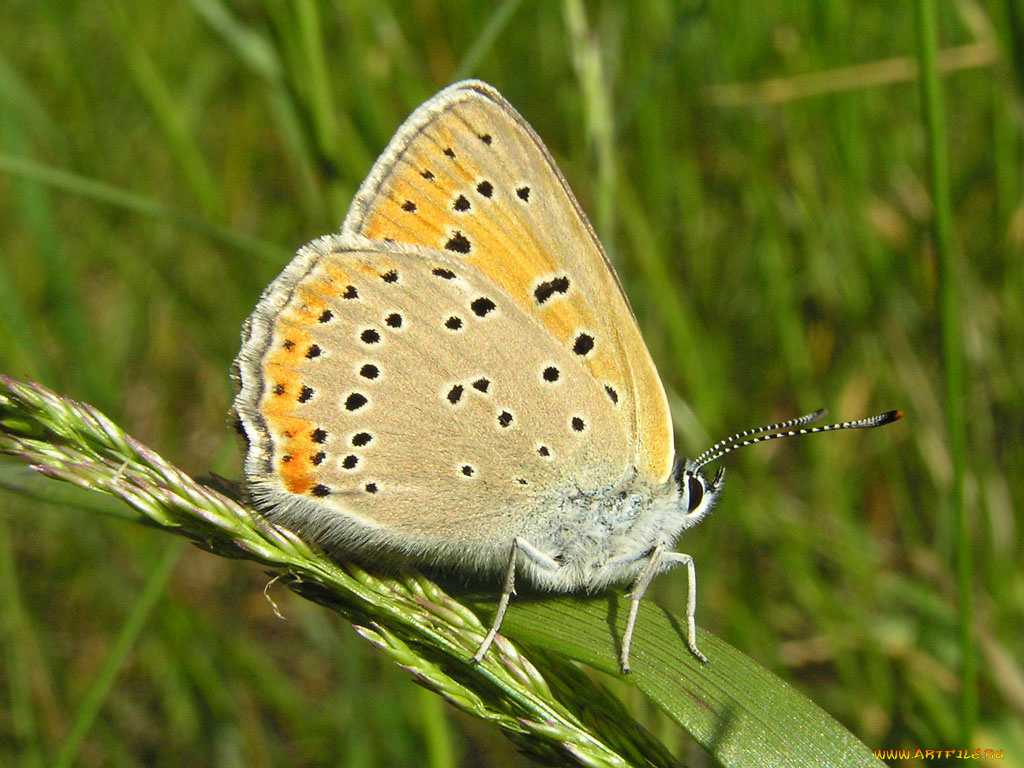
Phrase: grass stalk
(98, 191)
(483, 43)
(169, 114)
(16, 635)
(90, 706)
(952, 354)
(599, 119)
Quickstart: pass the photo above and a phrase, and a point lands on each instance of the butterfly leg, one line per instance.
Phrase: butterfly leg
(540, 560)
(674, 558)
(636, 594)
(661, 560)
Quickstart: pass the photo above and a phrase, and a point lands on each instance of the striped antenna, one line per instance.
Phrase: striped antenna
(801, 421)
(787, 429)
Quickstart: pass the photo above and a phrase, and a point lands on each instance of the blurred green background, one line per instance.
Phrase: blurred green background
(757, 172)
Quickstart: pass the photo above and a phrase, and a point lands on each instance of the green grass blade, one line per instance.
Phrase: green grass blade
(952, 356)
(105, 193)
(599, 122)
(90, 706)
(483, 43)
(56, 269)
(14, 319)
(16, 96)
(255, 52)
(15, 639)
(169, 114)
(248, 45)
(737, 710)
(436, 733)
(31, 485)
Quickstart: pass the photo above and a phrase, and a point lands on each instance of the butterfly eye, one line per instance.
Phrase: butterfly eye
(696, 489)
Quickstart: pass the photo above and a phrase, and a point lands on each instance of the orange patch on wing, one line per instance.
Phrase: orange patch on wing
(415, 230)
(372, 271)
(290, 434)
(514, 275)
(414, 206)
(428, 195)
(294, 482)
(565, 320)
(604, 367)
(328, 287)
(306, 311)
(447, 140)
(337, 280)
(290, 345)
(293, 449)
(281, 394)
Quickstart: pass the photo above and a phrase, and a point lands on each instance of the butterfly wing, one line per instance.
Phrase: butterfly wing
(466, 175)
(379, 382)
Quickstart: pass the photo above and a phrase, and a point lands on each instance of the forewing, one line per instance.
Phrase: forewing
(466, 175)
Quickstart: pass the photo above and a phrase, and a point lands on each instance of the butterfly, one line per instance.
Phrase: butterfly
(456, 379)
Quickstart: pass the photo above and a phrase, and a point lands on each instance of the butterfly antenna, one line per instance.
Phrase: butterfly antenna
(789, 429)
(800, 421)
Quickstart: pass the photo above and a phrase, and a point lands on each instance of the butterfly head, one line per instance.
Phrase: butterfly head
(697, 493)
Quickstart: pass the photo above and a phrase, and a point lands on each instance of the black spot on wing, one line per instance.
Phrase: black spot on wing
(482, 306)
(458, 243)
(547, 289)
(355, 401)
(583, 344)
